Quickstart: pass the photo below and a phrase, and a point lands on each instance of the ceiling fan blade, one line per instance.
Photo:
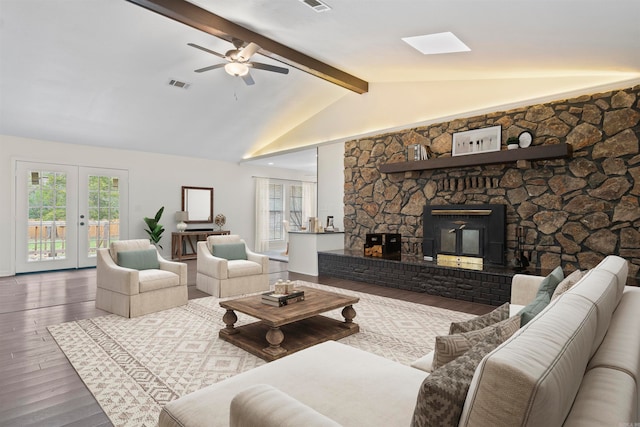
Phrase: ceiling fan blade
(207, 50)
(210, 67)
(248, 51)
(248, 79)
(261, 66)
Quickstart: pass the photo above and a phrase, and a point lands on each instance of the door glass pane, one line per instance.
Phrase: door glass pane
(471, 242)
(447, 241)
(103, 212)
(295, 208)
(276, 206)
(47, 222)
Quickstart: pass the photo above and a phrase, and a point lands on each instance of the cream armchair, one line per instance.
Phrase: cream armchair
(133, 279)
(226, 267)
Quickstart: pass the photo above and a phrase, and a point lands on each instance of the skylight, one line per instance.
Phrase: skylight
(432, 44)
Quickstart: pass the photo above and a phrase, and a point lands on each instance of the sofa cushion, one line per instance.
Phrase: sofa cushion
(144, 259)
(620, 349)
(499, 314)
(360, 389)
(255, 407)
(604, 399)
(442, 394)
(533, 308)
(534, 377)
(619, 267)
(425, 363)
(450, 347)
(600, 287)
(229, 251)
(567, 283)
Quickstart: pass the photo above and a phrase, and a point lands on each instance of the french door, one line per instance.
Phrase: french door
(64, 213)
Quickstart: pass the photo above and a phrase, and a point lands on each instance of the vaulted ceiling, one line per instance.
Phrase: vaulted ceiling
(97, 72)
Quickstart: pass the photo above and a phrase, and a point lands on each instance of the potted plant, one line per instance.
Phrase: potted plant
(155, 229)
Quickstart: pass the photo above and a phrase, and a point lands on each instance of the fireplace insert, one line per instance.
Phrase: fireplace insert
(465, 234)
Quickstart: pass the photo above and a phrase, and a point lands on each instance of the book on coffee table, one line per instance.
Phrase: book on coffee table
(279, 300)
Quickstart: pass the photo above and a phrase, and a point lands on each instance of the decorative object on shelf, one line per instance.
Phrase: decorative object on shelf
(220, 221)
(525, 138)
(513, 143)
(329, 226)
(521, 259)
(155, 230)
(181, 217)
(282, 287)
(476, 141)
(418, 152)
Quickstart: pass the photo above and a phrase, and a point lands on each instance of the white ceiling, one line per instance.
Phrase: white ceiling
(96, 72)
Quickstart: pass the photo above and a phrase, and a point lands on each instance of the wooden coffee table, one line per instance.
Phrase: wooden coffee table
(285, 330)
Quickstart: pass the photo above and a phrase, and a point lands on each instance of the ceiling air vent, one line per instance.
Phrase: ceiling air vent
(316, 5)
(179, 84)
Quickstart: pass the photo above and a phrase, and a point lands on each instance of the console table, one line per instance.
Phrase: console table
(181, 242)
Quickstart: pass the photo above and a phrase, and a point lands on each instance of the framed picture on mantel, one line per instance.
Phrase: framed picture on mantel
(476, 141)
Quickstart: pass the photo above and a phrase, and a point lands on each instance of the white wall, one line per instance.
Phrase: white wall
(155, 180)
(331, 183)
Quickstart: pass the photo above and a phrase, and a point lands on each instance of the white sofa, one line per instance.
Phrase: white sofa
(130, 292)
(575, 364)
(222, 277)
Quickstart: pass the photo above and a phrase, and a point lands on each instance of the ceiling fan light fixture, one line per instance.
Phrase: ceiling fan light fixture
(236, 69)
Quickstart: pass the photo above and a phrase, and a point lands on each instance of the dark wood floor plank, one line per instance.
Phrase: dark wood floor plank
(38, 385)
(48, 378)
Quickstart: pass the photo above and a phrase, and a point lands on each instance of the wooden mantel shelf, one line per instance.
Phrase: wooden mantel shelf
(540, 152)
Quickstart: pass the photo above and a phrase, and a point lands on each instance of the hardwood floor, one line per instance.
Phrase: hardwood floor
(39, 387)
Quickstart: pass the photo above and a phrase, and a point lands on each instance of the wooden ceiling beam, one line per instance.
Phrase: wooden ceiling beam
(203, 20)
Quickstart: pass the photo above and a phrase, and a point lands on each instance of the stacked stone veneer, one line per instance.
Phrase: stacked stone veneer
(575, 211)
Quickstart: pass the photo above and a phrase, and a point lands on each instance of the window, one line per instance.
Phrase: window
(295, 207)
(276, 210)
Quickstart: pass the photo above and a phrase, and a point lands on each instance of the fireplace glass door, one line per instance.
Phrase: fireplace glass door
(462, 242)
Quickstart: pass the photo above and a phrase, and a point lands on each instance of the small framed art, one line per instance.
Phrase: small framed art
(476, 141)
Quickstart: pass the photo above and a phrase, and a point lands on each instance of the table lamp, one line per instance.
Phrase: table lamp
(181, 217)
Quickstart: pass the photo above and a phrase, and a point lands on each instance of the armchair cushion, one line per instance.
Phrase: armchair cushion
(240, 268)
(229, 251)
(139, 260)
(151, 280)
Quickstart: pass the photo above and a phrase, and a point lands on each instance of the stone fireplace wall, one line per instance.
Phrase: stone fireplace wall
(575, 211)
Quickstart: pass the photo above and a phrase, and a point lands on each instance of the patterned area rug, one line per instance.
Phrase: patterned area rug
(135, 366)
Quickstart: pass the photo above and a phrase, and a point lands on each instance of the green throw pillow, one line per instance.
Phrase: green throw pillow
(550, 282)
(534, 307)
(229, 251)
(145, 259)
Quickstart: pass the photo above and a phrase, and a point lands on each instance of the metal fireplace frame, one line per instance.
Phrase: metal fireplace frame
(489, 219)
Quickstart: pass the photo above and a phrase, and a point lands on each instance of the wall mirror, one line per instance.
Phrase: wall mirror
(198, 202)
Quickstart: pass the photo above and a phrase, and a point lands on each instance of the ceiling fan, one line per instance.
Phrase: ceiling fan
(238, 63)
